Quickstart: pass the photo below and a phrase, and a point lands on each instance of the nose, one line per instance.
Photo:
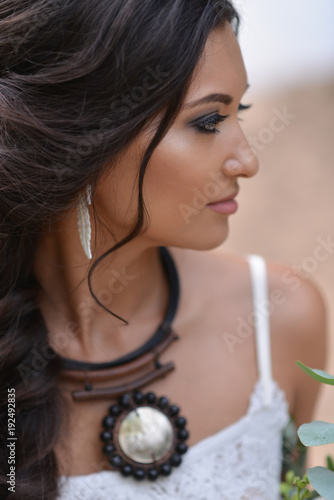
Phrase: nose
(242, 160)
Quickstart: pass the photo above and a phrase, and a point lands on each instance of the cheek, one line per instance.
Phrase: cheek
(177, 186)
(177, 169)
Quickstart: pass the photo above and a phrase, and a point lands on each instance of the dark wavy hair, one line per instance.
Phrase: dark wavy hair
(79, 79)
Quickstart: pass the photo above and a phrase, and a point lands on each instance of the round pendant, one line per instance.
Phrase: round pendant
(144, 436)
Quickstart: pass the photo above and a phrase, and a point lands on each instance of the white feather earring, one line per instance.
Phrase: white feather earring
(83, 217)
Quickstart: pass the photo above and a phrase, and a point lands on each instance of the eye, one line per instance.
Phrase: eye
(243, 107)
(208, 125)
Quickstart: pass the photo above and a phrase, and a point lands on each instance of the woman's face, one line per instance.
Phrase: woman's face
(190, 168)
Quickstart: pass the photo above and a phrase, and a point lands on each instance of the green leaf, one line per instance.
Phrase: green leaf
(330, 463)
(322, 480)
(316, 433)
(319, 375)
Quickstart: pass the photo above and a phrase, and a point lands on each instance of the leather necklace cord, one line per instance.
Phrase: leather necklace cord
(124, 369)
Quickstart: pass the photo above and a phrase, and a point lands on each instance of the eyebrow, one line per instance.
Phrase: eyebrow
(224, 98)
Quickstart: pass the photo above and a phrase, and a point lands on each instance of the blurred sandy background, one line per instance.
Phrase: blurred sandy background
(288, 48)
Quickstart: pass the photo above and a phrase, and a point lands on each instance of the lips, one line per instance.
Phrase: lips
(228, 198)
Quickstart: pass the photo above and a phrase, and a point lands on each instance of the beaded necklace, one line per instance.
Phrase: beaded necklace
(143, 435)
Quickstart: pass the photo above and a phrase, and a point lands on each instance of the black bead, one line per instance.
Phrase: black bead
(152, 474)
(181, 448)
(138, 397)
(183, 434)
(115, 410)
(108, 422)
(173, 410)
(180, 422)
(165, 469)
(108, 449)
(163, 402)
(125, 400)
(150, 397)
(116, 460)
(139, 474)
(126, 470)
(106, 436)
(175, 460)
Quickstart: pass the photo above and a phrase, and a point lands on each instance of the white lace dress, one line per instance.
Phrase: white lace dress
(240, 462)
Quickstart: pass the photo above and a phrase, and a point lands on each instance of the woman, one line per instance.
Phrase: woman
(114, 165)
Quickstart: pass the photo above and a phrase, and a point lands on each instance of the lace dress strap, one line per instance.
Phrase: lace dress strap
(259, 281)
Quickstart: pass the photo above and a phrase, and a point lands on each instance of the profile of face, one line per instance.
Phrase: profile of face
(198, 162)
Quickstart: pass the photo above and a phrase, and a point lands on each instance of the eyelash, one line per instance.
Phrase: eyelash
(215, 119)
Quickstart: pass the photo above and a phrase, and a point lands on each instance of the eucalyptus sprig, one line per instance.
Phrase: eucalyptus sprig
(319, 433)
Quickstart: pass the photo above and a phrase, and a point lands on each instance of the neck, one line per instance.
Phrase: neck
(130, 282)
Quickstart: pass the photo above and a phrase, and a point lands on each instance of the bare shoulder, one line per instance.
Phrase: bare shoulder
(298, 331)
(297, 307)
